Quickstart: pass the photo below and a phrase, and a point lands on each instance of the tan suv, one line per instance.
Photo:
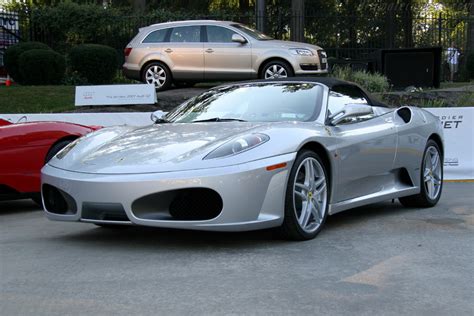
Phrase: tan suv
(186, 52)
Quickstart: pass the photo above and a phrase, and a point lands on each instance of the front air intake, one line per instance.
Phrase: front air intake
(57, 201)
(196, 204)
(192, 204)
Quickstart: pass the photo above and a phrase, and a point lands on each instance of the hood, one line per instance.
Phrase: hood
(155, 148)
(289, 44)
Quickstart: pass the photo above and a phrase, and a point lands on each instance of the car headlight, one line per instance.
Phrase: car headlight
(63, 152)
(238, 145)
(301, 51)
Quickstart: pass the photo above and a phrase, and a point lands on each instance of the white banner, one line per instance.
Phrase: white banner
(458, 124)
(115, 94)
(100, 119)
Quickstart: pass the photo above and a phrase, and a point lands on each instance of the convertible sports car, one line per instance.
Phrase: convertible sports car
(282, 153)
(25, 148)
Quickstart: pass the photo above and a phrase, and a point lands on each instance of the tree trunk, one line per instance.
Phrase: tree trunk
(470, 30)
(407, 17)
(260, 15)
(139, 6)
(390, 24)
(297, 21)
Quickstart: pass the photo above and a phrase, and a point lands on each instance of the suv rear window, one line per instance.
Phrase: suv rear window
(156, 36)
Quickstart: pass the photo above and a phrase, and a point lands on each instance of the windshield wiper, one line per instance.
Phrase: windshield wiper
(219, 119)
(161, 121)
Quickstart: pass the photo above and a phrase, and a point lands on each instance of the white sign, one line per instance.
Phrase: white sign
(458, 125)
(99, 119)
(115, 94)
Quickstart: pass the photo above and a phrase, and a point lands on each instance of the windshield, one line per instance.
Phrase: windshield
(253, 33)
(253, 102)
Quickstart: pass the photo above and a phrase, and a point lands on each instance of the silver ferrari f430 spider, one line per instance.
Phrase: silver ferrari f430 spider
(282, 153)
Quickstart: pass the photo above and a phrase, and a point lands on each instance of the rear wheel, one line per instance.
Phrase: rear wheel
(306, 201)
(431, 179)
(158, 74)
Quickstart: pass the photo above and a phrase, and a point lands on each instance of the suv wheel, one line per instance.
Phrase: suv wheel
(276, 69)
(158, 74)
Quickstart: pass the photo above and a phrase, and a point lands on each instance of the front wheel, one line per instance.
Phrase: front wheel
(158, 75)
(306, 201)
(431, 179)
(276, 69)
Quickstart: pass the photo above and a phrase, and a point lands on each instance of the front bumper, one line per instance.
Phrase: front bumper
(253, 197)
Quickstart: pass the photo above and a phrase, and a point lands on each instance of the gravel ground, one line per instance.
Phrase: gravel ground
(382, 259)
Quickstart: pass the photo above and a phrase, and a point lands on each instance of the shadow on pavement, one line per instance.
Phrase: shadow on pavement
(160, 238)
(18, 206)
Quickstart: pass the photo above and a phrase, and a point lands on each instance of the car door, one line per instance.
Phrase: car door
(366, 147)
(223, 58)
(185, 53)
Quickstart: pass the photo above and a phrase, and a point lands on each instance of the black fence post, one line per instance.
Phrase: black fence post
(440, 29)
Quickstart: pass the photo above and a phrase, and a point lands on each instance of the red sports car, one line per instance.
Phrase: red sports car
(25, 148)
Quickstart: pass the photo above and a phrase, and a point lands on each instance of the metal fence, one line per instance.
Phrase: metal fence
(353, 37)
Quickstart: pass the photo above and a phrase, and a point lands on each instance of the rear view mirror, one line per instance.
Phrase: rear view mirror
(157, 115)
(238, 38)
(350, 110)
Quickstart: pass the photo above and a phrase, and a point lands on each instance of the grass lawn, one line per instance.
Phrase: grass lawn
(52, 99)
(36, 99)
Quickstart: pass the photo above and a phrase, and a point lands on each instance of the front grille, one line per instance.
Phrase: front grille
(57, 201)
(104, 212)
(309, 66)
(321, 55)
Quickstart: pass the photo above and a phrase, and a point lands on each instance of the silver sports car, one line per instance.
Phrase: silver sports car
(282, 153)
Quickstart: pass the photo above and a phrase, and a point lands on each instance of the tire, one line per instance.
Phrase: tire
(158, 74)
(56, 148)
(304, 221)
(183, 84)
(276, 69)
(431, 179)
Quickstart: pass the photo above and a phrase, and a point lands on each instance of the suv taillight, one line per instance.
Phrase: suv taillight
(127, 51)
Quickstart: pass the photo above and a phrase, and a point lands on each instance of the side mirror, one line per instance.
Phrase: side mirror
(238, 38)
(350, 110)
(155, 116)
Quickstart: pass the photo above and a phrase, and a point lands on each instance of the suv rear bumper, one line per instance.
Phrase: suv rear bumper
(131, 73)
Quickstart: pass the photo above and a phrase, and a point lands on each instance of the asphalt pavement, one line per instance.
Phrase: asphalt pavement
(381, 259)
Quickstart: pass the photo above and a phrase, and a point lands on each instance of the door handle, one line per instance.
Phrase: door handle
(168, 50)
(209, 50)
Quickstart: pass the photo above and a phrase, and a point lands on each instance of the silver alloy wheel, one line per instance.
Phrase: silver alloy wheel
(310, 195)
(276, 71)
(432, 172)
(156, 75)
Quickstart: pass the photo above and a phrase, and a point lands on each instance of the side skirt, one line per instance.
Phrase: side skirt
(384, 195)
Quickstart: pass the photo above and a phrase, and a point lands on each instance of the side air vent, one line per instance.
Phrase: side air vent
(405, 114)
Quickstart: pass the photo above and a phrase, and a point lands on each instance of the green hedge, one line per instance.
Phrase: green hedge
(42, 67)
(372, 82)
(12, 57)
(96, 63)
